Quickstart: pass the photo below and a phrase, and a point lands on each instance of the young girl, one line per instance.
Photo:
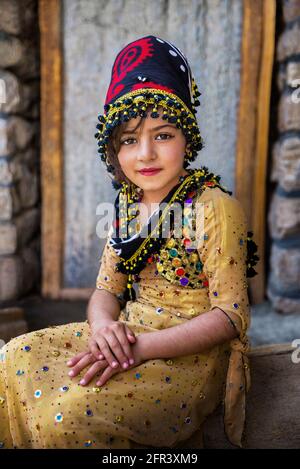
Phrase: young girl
(146, 370)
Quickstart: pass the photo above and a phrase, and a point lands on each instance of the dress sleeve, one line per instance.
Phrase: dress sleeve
(221, 233)
(107, 278)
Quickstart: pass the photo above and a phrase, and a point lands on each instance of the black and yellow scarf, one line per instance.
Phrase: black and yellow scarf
(138, 250)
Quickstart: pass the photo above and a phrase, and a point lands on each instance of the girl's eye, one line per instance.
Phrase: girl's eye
(124, 141)
(165, 135)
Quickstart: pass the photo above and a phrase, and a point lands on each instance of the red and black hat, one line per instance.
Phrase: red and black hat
(152, 71)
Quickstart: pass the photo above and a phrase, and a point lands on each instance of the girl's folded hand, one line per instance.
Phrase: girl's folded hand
(112, 340)
(85, 359)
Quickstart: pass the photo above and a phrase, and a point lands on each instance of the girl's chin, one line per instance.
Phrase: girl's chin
(147, 181)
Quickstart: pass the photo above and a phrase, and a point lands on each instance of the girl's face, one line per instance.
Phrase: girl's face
(154, 144)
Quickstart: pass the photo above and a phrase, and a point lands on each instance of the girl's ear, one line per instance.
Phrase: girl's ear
(188, 148)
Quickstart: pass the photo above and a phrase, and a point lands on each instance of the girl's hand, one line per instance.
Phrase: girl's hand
(84, 359)
(81, 361)
(111, 340)
(109, 371)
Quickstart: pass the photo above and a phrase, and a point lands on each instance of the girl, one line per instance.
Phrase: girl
(145, 371)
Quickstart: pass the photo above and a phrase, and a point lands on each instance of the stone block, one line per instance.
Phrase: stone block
(28, 67)
(27, 225)
(286, 163)
(284, 270)
(289, 42)
(16, 133)
(16, 96)
(272, 403)
(10, 16)
(28, 187)
(8, 238)
(272, 416)
(12, 50)
(6, 174)
(19, 232)
(284, 217)
(288, 113)
(19, 273)
(10, 277)
(9, 203)
(293, 74)
(291, 10)
(282, 304)
(29, 156)
(17, 17)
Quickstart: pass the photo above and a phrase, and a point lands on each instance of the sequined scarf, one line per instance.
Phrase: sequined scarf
(136, 251)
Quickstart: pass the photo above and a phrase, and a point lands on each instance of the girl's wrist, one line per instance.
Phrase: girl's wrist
(141, 348)
(98, 323)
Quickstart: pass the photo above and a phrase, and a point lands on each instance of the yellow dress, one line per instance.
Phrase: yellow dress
(161, 402)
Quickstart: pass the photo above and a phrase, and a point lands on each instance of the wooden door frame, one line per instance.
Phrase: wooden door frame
(257, 57)
(257, 51)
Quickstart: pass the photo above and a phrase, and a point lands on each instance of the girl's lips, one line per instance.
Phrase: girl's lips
(149, 173)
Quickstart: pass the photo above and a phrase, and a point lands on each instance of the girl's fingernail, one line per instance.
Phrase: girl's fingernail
(69, 362)
(100, 357)
(71, 373)
(82, 381)
(99, 383)
(131, 361)
(114, 364)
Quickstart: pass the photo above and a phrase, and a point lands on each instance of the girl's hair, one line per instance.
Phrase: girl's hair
(113, 148)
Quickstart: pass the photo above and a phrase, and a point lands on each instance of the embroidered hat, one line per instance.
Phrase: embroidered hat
(151, 71)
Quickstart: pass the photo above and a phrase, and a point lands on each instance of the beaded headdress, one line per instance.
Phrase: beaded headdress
(151, 71)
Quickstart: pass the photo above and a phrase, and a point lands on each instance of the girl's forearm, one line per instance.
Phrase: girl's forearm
(102, 306)
(194, 336)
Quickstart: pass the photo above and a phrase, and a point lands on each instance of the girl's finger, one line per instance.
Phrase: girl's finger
(85, 361)
(118, 345)
(126, 349)
(72, 361)
(130, 334)
(107, 373)
(94, 349)
(104, 346)
(93, 370)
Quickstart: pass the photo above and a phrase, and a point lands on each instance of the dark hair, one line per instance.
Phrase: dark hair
(113, 148)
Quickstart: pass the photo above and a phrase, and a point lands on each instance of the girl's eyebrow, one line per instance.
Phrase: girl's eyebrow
(154, 128)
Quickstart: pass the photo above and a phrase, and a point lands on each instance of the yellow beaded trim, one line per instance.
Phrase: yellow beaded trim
(140, 91)
(196, 174)
(149, 100)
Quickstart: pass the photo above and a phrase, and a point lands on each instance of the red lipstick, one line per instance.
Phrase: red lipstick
(149, 171)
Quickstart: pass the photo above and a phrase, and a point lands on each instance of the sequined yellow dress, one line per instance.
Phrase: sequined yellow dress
(161, 402)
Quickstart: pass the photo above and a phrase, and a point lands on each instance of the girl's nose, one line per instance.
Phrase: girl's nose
(145, 150)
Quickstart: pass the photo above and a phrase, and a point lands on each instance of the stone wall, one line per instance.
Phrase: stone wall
(284, 215)
(19, 148)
